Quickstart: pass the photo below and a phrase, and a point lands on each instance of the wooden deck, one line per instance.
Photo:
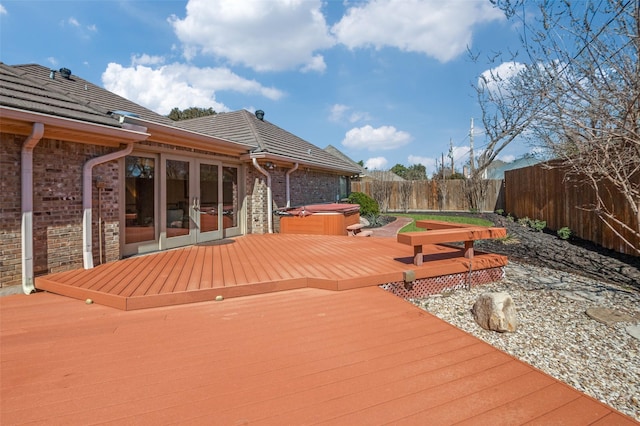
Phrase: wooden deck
(306, 356)
(256, 264)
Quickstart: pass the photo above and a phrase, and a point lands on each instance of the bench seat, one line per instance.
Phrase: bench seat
(466, 234)
(355, 230)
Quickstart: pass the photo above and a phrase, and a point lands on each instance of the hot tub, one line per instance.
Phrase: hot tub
(319, 219)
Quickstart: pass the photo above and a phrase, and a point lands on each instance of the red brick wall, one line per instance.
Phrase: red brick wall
(57, 207)
(307, 187)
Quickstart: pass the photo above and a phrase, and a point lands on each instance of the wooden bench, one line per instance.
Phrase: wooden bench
(355, 230)
(444, 232)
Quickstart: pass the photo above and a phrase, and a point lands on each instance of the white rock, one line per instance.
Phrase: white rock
(495, 311)
(634, 331)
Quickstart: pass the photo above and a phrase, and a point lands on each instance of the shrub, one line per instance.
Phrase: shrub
(500, 212)
(509, 217)
(538, 225)
(368, 206)
(564, 233)
(375, 220)
(524, 221)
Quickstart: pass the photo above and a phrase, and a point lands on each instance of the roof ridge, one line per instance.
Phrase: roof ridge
(254, 130)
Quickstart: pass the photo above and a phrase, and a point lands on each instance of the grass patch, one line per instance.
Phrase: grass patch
(454, 219)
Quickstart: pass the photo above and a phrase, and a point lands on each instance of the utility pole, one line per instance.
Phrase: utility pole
(451, 155)
(472, 168)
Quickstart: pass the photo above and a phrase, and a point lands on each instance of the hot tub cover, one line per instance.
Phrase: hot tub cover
(306, 210)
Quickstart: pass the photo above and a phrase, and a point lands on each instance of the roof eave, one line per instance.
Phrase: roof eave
(301, 162)
(20, 121)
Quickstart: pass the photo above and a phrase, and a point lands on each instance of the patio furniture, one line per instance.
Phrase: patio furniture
(444, 232)
(355, 230)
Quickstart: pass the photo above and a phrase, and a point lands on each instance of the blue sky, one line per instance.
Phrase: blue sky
(386, 82)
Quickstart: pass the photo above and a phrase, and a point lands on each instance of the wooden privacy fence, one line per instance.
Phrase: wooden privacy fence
(543, 193)
(431, 195)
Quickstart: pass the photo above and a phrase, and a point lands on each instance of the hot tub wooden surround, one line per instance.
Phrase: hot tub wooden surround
(320, 219)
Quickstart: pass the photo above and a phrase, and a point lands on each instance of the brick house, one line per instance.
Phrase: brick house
(89, 177)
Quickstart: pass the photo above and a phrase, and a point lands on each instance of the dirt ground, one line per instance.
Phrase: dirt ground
(573, 255)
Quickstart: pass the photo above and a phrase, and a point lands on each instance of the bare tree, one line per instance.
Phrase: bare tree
(509, 101)
(381, 190)
(577, 94)
(405, 191)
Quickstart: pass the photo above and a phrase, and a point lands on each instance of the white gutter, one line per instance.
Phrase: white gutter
(287, 180)
(269, 196)
(87, 193)
(32, 140)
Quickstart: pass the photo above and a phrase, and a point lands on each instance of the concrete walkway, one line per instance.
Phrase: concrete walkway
(391, 230)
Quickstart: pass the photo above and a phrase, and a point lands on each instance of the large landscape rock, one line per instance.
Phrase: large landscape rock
(495, 311)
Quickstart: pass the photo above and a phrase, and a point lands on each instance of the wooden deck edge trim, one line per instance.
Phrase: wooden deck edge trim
(210, 294)
(81, 293)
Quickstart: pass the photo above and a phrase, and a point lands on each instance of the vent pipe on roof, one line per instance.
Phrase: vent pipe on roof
(260, 115)
(65, 72)
(52, 74)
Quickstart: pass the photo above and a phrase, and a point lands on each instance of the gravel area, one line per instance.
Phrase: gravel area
(555, 334)
(553, 282)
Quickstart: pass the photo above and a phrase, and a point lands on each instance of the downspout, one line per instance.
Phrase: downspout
(87, 195)
(269, 196)
(30, 143)
(287, 180)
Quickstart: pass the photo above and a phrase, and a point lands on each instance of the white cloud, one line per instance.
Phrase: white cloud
(145, 59)
(3, 10)
(460, 156)
(440, 29)
(316, 64)
(497, 77)
(177, 85)
(263, 35)
(81, 30)
(427, 162)
(381, 138)
(337, 112)
(376, 163)
(507, 158)
(340, 113)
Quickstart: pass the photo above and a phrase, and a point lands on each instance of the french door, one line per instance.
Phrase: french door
(200, 201)
(173, 201)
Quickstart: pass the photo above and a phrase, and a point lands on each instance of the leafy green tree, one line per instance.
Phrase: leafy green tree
(416, 172)
(194, 112)
(399, 170)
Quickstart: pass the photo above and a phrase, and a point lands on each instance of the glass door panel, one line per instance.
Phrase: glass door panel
(140, 202)
(230, 197)
(208, 200)
(177, 187)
